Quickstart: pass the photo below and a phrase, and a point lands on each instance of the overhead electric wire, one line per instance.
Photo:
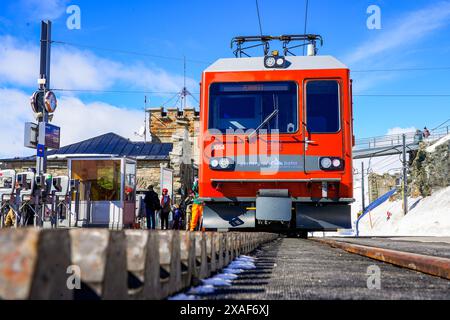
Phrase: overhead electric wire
(128, 52)
(403, 95)
(389, 164)
(259, 19)
(306, 23)
(402, 69)
(441, 125)
(116, 91)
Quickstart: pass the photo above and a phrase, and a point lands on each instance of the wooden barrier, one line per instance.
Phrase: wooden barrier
(102, 264)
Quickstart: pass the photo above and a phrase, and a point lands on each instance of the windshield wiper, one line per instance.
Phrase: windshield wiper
(266, 120)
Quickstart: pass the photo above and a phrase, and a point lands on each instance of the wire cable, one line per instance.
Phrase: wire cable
(441, 125)
(403, 69)
(403, 95)
(117, 91)
(306, 23)
(127, 52)
(259, 19)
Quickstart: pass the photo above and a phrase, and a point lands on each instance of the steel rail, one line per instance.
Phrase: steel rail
(436, 266)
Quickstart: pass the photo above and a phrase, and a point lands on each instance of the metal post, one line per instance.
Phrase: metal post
(44, 86)
(362, 187)
(41, 159)
(405, 177)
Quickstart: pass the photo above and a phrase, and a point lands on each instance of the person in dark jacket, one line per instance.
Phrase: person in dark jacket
(165, 209)
(151, 201)
(177, 217)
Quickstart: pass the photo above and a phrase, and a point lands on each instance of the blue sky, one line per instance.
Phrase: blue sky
(414, 34)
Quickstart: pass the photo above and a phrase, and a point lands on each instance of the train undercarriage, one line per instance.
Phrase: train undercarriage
(275, 210)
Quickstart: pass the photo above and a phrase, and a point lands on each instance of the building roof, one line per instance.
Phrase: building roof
(295, 63)
(109, 144)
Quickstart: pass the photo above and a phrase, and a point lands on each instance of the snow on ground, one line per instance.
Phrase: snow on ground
(428, 216)
(224, 279)
(441, 141)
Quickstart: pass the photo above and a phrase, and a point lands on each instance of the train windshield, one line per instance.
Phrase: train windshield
(254, 105)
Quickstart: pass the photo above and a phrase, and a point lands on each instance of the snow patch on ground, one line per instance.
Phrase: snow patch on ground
(441, 141)
(224, 279)
(428, 216)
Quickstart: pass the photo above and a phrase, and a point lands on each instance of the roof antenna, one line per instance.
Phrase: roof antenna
(184, 92)
(143, 130)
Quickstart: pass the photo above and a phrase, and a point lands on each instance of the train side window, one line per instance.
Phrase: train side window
(322, 106)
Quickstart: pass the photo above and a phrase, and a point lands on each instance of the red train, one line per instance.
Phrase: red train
(276, 140)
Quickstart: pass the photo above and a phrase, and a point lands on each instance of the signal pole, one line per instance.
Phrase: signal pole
(362, 187)
(44, 85)
(405, 178)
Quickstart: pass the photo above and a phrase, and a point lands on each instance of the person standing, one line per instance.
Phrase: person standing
(165, 209)
(197, 208)
(426, 133)
(151, 201)
(177, 217)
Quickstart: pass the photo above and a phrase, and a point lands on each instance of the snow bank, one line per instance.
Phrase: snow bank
(441, 141)
(427, 217)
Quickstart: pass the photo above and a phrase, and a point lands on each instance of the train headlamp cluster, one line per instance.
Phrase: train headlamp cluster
(274, 61)
(331, 163)
(221, 164)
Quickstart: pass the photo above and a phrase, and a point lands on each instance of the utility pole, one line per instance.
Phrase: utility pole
(44, 85)
(145, 119)
(362, 187)
(405, 178)
(184, 93)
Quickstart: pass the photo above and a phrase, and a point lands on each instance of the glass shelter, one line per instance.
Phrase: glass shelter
(107, 191)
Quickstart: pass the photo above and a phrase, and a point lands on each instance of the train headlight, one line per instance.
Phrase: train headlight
(269, 62)
(274, 61)
(331, 163)
(280, 62)
(325, 163)
(214, 163)
(336, 163)
(224, 163)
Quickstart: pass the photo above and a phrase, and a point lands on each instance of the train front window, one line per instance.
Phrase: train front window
(252, 105)
(322, 106)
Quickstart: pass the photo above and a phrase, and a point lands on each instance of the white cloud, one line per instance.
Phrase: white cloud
(78, 121)
(387, 47)
(409, 29)
(398, 130)
(81, 69)
(43, 9)
(19, 62)
(15, 111)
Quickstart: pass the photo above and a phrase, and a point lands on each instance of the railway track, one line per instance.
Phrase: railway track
(291, 269)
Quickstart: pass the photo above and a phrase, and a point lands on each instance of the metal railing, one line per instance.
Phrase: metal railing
(396, 139)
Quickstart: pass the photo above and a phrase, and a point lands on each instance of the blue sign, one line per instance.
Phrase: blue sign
(40, 150)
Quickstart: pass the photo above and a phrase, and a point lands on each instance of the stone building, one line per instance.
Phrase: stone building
(170, 125)
(382, 184)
